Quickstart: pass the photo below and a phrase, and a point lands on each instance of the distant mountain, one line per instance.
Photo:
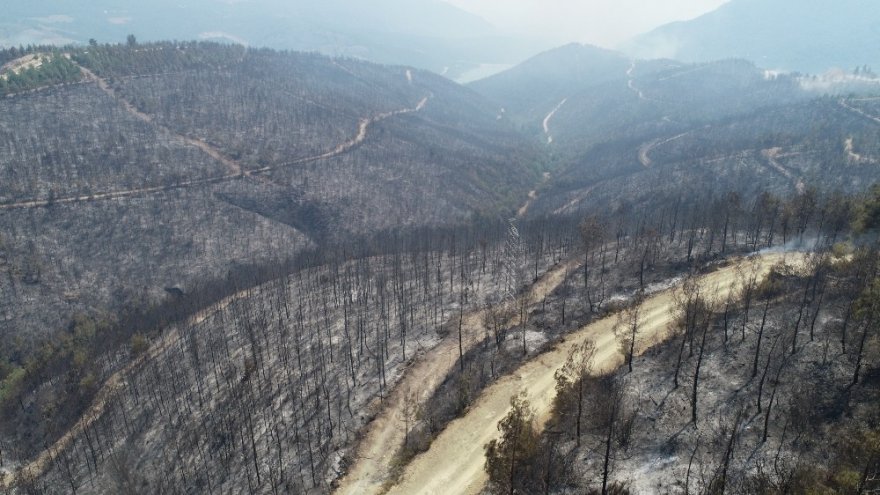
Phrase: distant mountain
(429, 34)
(537, 85)
(796, 35)
(667, 97)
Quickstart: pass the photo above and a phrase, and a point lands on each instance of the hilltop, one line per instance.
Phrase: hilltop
(429, 34)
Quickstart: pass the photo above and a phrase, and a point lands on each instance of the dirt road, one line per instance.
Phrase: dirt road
(38, 465)
(385, 434)
(772, 155)
(454, 463)
(232, 166)
(235, 170)
(533, 195)
(631, 84)
(842, 102)
(646, 148)
(549, 117)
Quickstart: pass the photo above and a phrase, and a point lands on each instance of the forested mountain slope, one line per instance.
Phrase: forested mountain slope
(167, 164)
(698, 130)
(216, 262)
(298, 363)
(814, 145)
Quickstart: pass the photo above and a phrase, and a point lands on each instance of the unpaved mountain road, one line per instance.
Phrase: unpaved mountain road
(385, 435)
(646, 148)
(549, 117)
(853, 156)
(454, 463)
(234, 168)
(843, 103)
(533, 195)
(38, 465)
(631, 84)
(772, 156)
(346, 146)
(40, 203)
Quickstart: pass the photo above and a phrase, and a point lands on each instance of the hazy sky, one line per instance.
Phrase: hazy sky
(601, 22)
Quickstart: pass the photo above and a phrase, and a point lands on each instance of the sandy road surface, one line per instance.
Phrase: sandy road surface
(385, 434)
(38, 465)
(38, 203)
(853, 156)
(454, 463)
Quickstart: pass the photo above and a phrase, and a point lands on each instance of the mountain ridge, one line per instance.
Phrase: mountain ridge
(427, 34)
(812, 36)
(537, 85)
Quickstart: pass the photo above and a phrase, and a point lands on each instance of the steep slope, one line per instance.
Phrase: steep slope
(671, 129)
(667, 94)
(172, 164)
(784, 409)
(534, 87)
(815, 145)
(455, 462)
(811, 36)
(297, 365)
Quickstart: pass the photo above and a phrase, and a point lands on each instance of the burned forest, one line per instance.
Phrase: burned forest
(233, 269)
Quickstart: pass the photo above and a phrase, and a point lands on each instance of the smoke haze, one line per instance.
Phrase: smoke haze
(601, 22)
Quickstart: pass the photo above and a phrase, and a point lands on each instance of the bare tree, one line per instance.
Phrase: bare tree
(627, 328)
(707, 318)
(571, 379)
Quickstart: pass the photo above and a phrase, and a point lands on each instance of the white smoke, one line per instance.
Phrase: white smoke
(798, 244)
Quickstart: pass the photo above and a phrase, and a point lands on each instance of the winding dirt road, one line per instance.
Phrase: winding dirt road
(631, 84)
(344, 147)
(842, 102)
(233, 166)
(38, 465)
(454, 463)
(533, 195)
(549, 117)
(235, 170)
(772, 155)
(385, 435)
(648, 147)
(853, 156)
